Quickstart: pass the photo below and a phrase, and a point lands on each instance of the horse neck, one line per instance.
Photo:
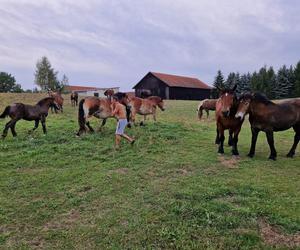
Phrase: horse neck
(45, 106)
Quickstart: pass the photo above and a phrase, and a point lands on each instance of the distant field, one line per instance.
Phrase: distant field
(170, 190)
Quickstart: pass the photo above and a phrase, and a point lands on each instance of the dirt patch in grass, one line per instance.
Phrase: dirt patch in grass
(231, 163)
(36, 243)
(273, 236)
(119, 171)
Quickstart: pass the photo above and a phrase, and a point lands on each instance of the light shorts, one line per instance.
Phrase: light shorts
(121, 126)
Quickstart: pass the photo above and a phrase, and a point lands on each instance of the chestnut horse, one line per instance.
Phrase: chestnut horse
(37, 113)
(99, 108)
(58, 99)
(109, 93)
(74, 99)
(145, 106)
(226, 107)
(206, 104)
(270, 117)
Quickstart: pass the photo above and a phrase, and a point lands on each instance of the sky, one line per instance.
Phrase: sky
(109, 43)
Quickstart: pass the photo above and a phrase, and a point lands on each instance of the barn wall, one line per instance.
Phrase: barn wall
(153, 84)
(189, 93)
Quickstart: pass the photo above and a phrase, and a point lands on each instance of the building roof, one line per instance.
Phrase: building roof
(84, 88)
(179, 81)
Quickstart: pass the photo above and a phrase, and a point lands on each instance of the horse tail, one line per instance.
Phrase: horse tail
(5, 112)
(200, 110)
(81, 117)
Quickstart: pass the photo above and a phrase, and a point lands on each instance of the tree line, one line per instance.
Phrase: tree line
(285, 83)
(45, 77)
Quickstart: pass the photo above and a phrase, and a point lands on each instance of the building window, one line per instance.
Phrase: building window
(96, 94)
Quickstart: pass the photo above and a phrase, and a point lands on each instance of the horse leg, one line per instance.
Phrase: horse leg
(7, 126)
(221, 138)
(154, 114)
(255, 132)
(270, 139)
(230, 140)
(43, 121)
(89, 126)
(235, 142)
(217, 141)
(36, 125)
(296, 141)
(207, 113)
(103, 123)
(200, 113)
(13, 129)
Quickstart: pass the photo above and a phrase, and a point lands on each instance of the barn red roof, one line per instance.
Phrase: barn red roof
(181, 81)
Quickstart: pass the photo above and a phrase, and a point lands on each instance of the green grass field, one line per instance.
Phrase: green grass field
(170, 190)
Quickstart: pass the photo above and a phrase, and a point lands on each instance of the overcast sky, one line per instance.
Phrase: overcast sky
(115, 43)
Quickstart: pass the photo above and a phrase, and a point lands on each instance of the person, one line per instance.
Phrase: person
(119, 111)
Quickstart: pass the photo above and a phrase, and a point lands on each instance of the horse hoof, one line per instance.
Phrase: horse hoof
(290, 155)
(272, 157)
(235, 153)
(250, 155)
(221, 152)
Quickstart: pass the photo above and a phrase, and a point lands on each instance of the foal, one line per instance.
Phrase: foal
(226, 107)
(18, 111)
(270, 117)
(74, 99)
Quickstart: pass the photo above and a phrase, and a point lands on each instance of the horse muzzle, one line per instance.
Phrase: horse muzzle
(239, 115)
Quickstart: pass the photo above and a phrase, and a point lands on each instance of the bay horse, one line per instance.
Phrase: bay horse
(99, 108)
(206, 104)
(109, 93)
(226, 108)
(269, 117)
(37, 113)
(145, 107)
(58, 99)
(74, 99)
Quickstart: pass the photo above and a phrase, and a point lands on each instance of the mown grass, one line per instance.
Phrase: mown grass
(170, 190)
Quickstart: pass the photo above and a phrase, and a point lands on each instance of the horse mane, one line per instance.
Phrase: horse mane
(44, 100)
(258, 97)
(119, 95)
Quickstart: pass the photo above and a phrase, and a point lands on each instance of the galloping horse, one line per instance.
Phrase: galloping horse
(145, 106)
(99, 108)
(269, 117)
(74, 99)
(226, 107)
(206, 104)
(109, 93)
(18, 111)
(58, 99)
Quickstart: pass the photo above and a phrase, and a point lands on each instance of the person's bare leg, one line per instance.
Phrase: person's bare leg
(117, 141)
(131, 140)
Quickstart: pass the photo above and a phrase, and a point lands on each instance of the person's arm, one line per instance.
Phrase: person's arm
(115, 110)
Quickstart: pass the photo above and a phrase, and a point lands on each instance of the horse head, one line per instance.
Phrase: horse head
(243, 105)
(227, 100)
(158, 101)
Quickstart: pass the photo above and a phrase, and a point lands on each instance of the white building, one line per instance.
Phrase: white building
(89, 91)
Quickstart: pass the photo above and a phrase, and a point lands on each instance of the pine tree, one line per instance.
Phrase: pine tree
(292, 81)
(297, 80)
(218, 84)
(271, 82)
(283, 86)
(245, 83)
(45, 75)
(231, 80)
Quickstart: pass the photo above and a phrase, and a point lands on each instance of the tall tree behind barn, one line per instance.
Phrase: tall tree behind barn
(172, 87)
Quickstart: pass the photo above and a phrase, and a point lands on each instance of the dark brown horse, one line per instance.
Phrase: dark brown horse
(206, 104)
(99, 108)
(269, 117)
(74, 99)
(37, 113)
(145, 106)
(226, 107)
(58, 99)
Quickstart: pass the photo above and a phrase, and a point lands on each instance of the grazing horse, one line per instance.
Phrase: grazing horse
(109, 93)
(37, 113)
(58, 99)
(226, 107)
(269, 117)
(206, 104)
(99, 108)
(74, 99)
(145, 106)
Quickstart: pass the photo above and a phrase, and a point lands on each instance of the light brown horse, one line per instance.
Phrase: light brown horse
(206, 104)
(37, 113)
(145, 107)
(226, 107)
(58, 99)
(99, 108)
(270, 117)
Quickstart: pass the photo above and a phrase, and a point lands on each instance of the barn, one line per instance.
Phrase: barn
(172, 87)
